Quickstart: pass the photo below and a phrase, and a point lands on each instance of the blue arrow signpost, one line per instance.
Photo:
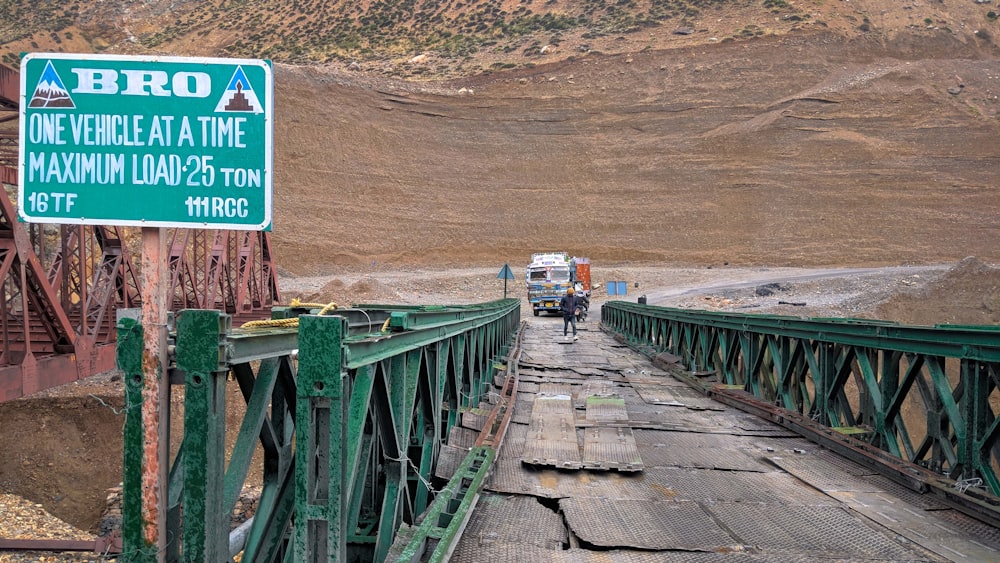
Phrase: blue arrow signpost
(505, 274)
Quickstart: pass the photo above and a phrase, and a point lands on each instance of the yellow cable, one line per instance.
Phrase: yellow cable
(385, 325)
(291, 323)
(302, 305)
(271, 323)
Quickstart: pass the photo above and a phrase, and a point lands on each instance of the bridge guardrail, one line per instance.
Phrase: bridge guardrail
(350, 409)
(928, 396)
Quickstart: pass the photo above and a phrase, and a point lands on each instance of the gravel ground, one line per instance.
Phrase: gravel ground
(815, 292)
(21, 519)
(835, 293)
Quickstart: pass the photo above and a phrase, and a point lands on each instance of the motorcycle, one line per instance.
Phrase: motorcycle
(581, 310)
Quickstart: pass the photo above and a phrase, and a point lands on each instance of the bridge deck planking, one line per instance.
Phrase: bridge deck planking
(703, 463)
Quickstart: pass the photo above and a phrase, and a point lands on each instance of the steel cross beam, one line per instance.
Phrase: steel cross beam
(10, 87)
(350, 420)
(924, 395)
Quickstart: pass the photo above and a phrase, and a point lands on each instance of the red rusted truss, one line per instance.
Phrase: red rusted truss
(60, 285)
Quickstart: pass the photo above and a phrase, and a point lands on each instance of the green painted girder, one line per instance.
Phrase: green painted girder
(367, 349)
(450, 511)
(849, 373)
(941, 340)
(130, 347)
(350, 432)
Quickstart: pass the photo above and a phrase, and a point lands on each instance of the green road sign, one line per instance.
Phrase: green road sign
(146, 141)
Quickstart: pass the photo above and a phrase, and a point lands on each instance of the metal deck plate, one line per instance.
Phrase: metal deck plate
(824, 531)
(522, 405)
(698, 449)
(527, 387)
(922, 527)
(475, 418)
(511, 476)
(701, 457)
(842, 463)
(513, 441)
(821, 474)
(590, 365)
(595, 371)
(691, 440)
(704, 485)
(605, 409)
(552, 437)
(984, 533)
(513, 519)
(675, 396)
(649, 438)
(752, 425)
(771, 445)
(611, 448)
(598, 387)
(656, 483)
(448, 461)
(670, 418)
(462, 437)
(625, 364)
(556, 389)
(654, 378)
(918, 500)
(502, 552)
(644, 524)
(657, 394)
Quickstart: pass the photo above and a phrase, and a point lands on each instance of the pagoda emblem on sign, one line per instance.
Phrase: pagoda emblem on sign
(239, 95)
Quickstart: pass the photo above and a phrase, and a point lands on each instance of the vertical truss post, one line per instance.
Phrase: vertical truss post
(823, 381)
(321, 441)
(130, 348)
(974, 450)
(443, 352)
(395, 463)
(200, 343)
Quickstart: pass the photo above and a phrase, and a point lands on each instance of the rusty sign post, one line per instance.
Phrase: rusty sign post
(151, 142)
(155, 390)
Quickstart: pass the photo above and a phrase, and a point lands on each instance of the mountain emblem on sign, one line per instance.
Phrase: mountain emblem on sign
(50, 91)
(239, 95)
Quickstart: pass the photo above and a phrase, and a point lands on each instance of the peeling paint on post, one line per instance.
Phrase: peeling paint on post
(205, 534)
(130, 352)
(321, 447)
(155, 460)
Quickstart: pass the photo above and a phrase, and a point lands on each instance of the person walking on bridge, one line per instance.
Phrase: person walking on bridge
(568, 306)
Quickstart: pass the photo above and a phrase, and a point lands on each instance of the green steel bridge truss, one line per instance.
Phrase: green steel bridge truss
(919, 402)
(350, 408)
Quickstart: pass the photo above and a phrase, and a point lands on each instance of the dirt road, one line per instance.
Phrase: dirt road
(842, 292)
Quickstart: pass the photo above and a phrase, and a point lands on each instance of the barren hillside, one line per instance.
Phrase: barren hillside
(795, 150)
(815, 132)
